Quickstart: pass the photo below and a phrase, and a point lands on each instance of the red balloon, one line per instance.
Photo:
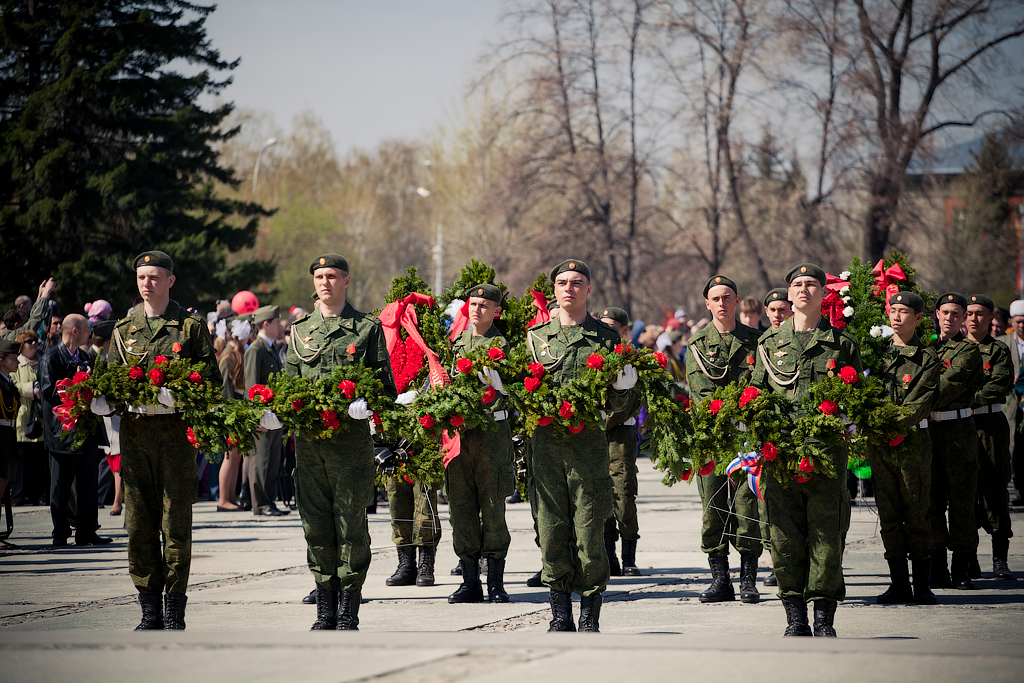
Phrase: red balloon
(244, 302)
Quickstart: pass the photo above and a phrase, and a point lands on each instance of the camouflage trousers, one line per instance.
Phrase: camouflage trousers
(334, 484)
(954, 485)
(413, 509)
(476, 485)
(160, 478)
(807, 526)
(993, 510)
(574, 498)
(903, 495)
(731, 515)
(622, 449)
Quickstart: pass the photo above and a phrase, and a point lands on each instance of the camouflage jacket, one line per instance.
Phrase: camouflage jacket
(467, 342)
(715, 359)
(318, 345)
(997, 368)
(911, 377)
(962, 373)
(177, 334)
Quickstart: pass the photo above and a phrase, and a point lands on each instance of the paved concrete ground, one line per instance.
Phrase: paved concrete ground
(69, 612)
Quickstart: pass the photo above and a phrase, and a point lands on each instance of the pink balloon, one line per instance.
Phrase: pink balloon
(244, 302)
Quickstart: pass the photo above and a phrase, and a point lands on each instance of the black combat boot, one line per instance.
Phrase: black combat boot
(796, 617)
(456, 570)
(348, 611)
(958, 572)
(561, 612)
(721, 589)
(326, 610)
(629, 567)
(152, 613)
(405, 575)
(748, 580)
(590, 613)
(470, 590)
(535, 581)
(496, 580)
(973, 566)
(922, 583)
(613, 560)
(174, 611)
(425, 570)
(824, 618)
(770, 580)
(899, 591)
(940, 571)
(1000, 550)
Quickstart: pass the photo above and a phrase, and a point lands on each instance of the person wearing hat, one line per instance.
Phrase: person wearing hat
(1014, 341)
(954, 447)
(261, 361)
(10, 402)
(481, 476)
(570, 471)
(622, 451)
(158, 464)
(334, 478)
(993, 435)
(807, 520)
(910, 374)
(720, 354)
(777, 307)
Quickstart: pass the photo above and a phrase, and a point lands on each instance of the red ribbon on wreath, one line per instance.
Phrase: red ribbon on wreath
(540, 302)
(886, 280)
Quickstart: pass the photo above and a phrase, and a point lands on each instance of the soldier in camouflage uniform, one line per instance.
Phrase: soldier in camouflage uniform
(954, 447)
(622, 452)
(480, 477)
(910, 373)
(334, 478)
(158, 464)
(994, 472)
(720, 354)
(414, 525)
(570, 472)
(808, 519)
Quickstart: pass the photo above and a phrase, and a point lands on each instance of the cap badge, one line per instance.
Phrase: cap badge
(974, 298)
(775, 295)
(480, 291)
(322, 260)
(803, 269)
(146, 259)
(950, 297)
(604, 314)
(572, 265)
(718, 279)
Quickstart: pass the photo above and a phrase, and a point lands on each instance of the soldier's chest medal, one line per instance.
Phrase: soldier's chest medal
(544, 349)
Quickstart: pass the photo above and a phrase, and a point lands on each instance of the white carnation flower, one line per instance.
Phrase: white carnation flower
(845, 275)
(886, 331)
(846, 299)
(845, 290)
(848, 312)
(876, 331)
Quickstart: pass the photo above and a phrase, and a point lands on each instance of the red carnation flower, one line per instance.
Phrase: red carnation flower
(531, 383)
(348, 388)
(839, 324)
(136, 372)
(802, 478)
(266, 395)
(195, 378)
(156, 376)
(687, 473)
(565, 410)
(620, 348)
(662, 360)
(707, 469)
(488, 396)
(829, 407)
(896, 440)
(464, 365)
(595, 362)
(297, 404)
(427, 421)
(377, 421)
(232, 441)
(848, 375)
(161, 360)
(748, 395)
(496, 354)
(176, 347)
(191, 436)
(769, 451)
(806, 465)
(351, 350)
(715, 406)
(80, 377)
(457, 420)
(330, 418)
(253, 390)
(85, 394)
(545, 421)
(536, 369)
(576, 429)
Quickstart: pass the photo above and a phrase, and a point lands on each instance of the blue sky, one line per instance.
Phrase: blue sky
(371, 70)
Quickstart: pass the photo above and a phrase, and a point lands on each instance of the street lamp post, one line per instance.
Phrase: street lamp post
(438, 248)
(259, 157)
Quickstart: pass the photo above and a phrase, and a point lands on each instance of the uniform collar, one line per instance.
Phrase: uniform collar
(824, 332)
(171, 317)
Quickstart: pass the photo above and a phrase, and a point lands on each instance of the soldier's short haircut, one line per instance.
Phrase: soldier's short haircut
(750, 305)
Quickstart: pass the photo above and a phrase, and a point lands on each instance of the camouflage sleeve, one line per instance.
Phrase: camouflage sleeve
(959, 374)
(377, 358)
(998, 372)
(922, 395)
(757, 377)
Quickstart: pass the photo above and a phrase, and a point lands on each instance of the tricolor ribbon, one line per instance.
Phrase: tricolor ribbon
(460, 322)
(749, 463)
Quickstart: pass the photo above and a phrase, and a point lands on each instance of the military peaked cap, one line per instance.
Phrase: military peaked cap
(808, 269)
(104, 328)
(777, 294)
(951, 298)
(616, 314)
(9, 346)
(982, 300)
(153, 258)
(484, 290)
(909, 299)
(265, 313)
(573, 266)
(329, 261)
(716, 280)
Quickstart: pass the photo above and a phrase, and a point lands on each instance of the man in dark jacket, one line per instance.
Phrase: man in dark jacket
(66, 465)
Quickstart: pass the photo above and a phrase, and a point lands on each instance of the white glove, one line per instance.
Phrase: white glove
(406, 398)
(491, 376)
(269, 420)
(99, 406)
(165, 398)
(358, 410)
(626, 379)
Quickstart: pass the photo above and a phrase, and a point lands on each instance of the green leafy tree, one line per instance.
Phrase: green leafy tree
(104, 152)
